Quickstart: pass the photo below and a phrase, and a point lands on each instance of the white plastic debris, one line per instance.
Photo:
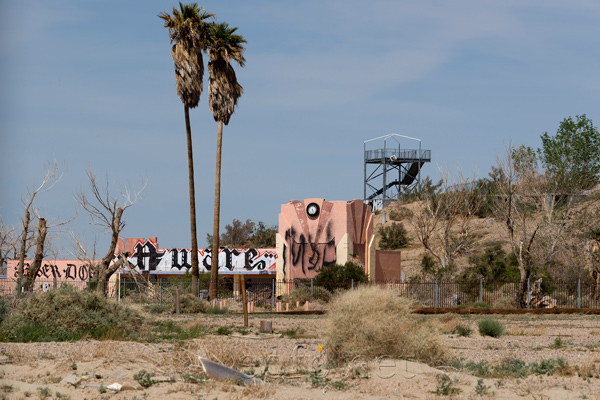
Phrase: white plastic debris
(220, 372)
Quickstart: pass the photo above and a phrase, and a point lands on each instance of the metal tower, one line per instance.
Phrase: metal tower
(391, 169)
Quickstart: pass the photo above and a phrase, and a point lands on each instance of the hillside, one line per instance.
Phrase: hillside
(486, 232)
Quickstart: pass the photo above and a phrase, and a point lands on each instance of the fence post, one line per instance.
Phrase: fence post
(119, 295)
(235, 281)
(481, 290)
(528, 292)
(578, 293)
(352, 283)
(436, 293)
(160, 290)
(273, 294)
(393, 284)
(311, 289)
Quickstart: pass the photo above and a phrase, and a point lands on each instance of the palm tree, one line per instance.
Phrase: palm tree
(223, 94)
(189, 35)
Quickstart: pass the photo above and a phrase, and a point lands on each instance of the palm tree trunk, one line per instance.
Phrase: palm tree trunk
(214, 265)
(195, 270)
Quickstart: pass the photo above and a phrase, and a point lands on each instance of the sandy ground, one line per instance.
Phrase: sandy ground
(297, 369)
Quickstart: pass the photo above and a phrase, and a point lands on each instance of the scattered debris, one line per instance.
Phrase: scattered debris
(220, 372)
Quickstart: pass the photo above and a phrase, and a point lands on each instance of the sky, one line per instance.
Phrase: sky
(90, 84)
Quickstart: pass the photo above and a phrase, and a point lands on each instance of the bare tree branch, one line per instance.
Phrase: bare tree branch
(106, 211)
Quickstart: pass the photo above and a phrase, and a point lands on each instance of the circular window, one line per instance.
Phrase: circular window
(312, 210)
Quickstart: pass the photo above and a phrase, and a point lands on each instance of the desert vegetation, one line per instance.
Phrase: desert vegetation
(368, 342)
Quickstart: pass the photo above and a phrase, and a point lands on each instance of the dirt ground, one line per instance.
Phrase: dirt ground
(296, 365)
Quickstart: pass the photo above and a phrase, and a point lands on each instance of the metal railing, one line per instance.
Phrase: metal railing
(401, 155)
(266, 291)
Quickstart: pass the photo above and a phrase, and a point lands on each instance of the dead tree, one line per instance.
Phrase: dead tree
(8, 244)
(39, 256)
(106, 211)
(51, 178)
(443, 220)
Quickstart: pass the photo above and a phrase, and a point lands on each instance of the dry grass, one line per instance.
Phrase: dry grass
(520, 331)
(226, 351)
(370, 322)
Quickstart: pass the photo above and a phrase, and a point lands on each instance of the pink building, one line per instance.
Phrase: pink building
(314, 233)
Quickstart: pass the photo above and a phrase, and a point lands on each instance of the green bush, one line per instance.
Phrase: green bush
(393, 236)
(336, 276)
(4, 309)
(493, 265)
(462, 330)
(144, 378)
(67, 314)
(157, 308)
(430, 268)
(490, 327)
(216, 310)
(302, 294)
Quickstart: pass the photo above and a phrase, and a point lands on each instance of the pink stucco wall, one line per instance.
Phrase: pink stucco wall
(308, 244)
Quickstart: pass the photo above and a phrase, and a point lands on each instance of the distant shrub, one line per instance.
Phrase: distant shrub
(190, 304)
(430, 268)
(303, 294)
(493, 265)
(336, 276)
(393, 236)
(157, 308)
(4, 309)
(480, 305)
(462, 330)
(491, 327)
(371, 322)
(398, 214)
(215, 309)
(67, 314)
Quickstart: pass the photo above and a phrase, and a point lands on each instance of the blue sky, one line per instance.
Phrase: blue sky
(91, 83)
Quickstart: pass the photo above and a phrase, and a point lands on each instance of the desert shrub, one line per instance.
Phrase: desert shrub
(157, 308)
(550, 367)
(144, 378)
(393, 236)
(215, 309)
(334, 277)
(505, 302)
(493, 265)
(490, 327)
(398, 214)
(190, 304)
(431, 269)
(445, 386)
(462, 330)
(4, 309)
(511, 367)
(370, 322)
(67, 314)
(302, 294)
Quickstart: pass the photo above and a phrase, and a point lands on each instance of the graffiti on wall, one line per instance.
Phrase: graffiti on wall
(146, 257)
(62, 270)
(315, 233)
(306, 256)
